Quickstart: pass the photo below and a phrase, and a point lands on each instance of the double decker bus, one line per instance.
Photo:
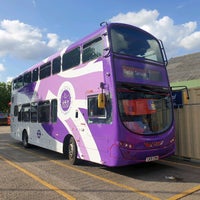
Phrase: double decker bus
(104, 99)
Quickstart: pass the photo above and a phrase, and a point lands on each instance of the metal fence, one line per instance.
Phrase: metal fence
(187, 120)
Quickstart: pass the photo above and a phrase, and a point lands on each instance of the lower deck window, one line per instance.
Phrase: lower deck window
(54, 110)
(43, 111)
(34, 112)
(96, 114)
(93, 110)
(26, 113)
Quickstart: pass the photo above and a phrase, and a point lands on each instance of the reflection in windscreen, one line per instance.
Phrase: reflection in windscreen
(145, 110)
(134, 42)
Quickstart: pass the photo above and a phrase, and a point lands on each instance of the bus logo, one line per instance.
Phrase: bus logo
(65, 100)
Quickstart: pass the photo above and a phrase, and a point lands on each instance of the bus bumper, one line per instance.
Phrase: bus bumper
(129, 157)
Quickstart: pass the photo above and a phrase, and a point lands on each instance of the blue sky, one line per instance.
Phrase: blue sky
(31, 30)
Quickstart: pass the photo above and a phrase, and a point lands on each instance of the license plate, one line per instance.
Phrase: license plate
(152, 158)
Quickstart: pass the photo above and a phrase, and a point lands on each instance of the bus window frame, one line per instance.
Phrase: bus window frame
(92, 45)
(34, 110)
(93, 110)
(35, 74)
(45, 70)
(55, 63)
(54, 110)
(44, 111)
(27, 77)
(26, 113)
(69, 57)
(16, 110)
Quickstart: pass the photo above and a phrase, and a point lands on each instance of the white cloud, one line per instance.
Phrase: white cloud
(176, 38)
(55, 43)
(2, 68)
(27, 42)
(140, 18)
(191, 41)
(9, 79)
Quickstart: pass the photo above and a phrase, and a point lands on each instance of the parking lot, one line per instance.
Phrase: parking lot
(38, 173)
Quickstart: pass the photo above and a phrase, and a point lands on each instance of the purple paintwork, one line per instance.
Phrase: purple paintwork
(100, 142)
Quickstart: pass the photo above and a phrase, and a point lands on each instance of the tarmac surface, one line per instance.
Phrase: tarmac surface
(37, 173)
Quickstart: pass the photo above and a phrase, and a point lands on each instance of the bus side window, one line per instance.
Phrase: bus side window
(43, 111)
(16, 111)
(92, 50)
(20, 82)
(45, 70)
(34, 112)
(27, 78)
(20, 113)
(56, 64)
(93, 110)
(14, 84)
(26, 112)
(54, 110)
(71, 59)
(35, 75)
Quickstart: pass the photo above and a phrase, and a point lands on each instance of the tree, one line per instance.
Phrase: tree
(5, 96)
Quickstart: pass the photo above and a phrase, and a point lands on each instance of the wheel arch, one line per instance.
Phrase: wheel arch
(25, 138)
(23, 133)
(66, 144)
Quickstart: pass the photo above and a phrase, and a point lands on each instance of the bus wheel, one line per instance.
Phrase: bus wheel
(72, 151)
(25, 139)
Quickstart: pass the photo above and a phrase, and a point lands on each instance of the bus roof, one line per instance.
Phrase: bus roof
(100, 31)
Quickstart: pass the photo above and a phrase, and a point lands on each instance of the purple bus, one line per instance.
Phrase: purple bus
(104, 99)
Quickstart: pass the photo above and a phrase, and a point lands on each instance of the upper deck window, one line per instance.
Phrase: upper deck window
(71, 59)
(27, 78)
(56, 64)
(135, 42)
(35, 75)
(18, 82)
(22, 80)
(93, 49)
(45, 70)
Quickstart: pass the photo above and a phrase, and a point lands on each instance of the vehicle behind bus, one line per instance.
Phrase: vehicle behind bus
(4, 118)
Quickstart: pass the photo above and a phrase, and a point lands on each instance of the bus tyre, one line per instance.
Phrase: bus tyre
(25, 139)
(72, 151)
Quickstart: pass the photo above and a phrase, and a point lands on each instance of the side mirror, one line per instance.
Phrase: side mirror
(101, 100)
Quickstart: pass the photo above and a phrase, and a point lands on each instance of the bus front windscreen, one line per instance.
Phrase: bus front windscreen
(135, 42)
(144, 110)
